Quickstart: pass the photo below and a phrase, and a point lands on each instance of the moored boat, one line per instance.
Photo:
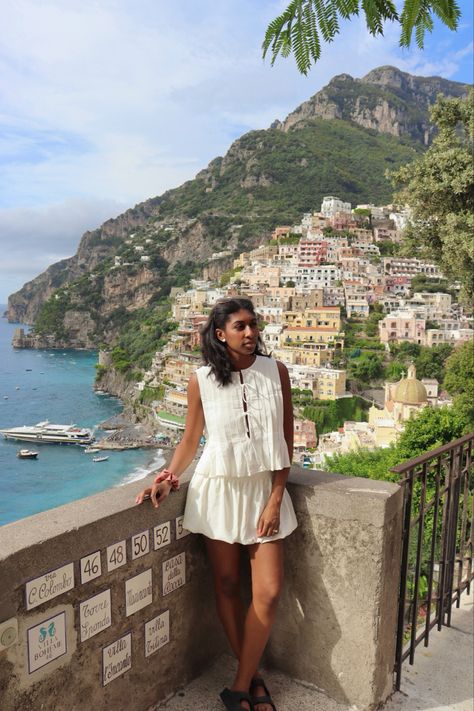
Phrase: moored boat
(26, 454)
(99, 459)
(50, 434)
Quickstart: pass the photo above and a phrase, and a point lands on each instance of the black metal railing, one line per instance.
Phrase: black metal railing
(437, 542)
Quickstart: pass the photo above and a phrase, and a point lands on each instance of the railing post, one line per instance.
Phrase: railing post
(407, 497)
(453, 527)
(432, 552)
(419, 547)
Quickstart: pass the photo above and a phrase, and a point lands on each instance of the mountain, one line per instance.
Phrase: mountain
(340, 142)
(385, 100)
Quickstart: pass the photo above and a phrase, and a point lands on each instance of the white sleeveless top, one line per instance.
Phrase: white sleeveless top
(242, 442)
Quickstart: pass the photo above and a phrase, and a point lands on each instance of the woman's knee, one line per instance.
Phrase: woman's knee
(227, 585)
(267, 595)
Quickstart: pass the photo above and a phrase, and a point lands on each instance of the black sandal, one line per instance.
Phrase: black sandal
(232, 700)
(266, 699)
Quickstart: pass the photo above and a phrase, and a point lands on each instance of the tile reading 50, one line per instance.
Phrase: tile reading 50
(140, 544)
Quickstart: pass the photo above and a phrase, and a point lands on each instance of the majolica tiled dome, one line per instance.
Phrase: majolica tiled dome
(410, 390)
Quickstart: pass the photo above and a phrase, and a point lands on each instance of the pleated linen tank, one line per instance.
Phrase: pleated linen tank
(245, 443)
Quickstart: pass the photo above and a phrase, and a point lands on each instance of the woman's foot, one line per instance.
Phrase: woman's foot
(236, 700)
(262, 701)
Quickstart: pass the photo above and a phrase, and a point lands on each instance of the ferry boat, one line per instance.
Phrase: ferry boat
(50, 434)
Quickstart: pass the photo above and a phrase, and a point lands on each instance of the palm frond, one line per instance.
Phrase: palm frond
(301, 26)
(448, 12)
(409, 19)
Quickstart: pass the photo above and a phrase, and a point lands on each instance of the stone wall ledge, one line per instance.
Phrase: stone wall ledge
(338, 495)
(335, 626)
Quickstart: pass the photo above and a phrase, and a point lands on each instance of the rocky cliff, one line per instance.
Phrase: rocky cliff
(339, 142)
(385, 100)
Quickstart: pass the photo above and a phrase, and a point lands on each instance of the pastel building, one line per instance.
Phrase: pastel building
(304, 354)
(178, 369)
(400, 326)
(323, 275)
(324, 383)
(455, 337)
(332, 205)
(320, 337)
(312, 252)
(304, 434)
(259, 274)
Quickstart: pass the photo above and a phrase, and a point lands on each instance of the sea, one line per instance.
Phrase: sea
(54, 385)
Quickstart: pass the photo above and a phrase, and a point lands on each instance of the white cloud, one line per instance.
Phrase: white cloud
(33, 238)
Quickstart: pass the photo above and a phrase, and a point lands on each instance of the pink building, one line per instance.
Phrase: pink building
(401, 326)
(312, 252)
(304, 434)
(341, 221)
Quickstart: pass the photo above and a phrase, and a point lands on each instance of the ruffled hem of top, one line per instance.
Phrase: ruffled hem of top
(241, 460)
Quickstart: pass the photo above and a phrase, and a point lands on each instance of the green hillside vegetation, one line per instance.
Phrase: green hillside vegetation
(290, 173)
(328, 415)
(287, 174)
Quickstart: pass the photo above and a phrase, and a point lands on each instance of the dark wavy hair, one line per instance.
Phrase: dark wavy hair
(214, 351)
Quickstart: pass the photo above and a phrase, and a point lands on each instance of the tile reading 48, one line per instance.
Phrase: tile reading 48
(116, 556)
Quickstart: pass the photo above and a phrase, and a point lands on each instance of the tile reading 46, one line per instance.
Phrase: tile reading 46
(90, 567)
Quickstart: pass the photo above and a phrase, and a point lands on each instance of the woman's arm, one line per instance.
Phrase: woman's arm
(186, 449)
(270, 519)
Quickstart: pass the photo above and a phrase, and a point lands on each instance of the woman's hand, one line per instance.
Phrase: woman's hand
(269, 521)
(157, 493)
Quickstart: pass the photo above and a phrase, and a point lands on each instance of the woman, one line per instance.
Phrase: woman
(237, 494)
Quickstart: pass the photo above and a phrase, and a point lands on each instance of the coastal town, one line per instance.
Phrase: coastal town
(332, 292)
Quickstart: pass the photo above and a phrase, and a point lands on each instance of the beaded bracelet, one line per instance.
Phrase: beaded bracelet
(166, 475)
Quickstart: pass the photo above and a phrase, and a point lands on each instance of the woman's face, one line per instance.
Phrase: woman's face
(240, 333)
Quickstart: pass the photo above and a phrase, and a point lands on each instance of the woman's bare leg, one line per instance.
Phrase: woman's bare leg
(266, 560)
(225, 561)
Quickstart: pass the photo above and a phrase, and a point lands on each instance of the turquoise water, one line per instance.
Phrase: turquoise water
(55, 386)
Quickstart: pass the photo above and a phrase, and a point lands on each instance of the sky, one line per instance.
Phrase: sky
(105, 103)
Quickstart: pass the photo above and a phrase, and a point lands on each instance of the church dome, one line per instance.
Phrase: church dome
(410, 390)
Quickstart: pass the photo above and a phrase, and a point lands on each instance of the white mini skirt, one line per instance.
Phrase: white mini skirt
(228, 509)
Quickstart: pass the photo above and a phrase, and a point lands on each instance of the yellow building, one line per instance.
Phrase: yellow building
(322, 316)
(321, 337)
(175, 402)
(304, 355)
(330, 384)
(178, 369)
(241, 260)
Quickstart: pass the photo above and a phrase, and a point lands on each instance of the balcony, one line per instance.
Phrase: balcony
(104, 604)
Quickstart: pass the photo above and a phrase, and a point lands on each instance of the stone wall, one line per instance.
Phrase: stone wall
(104, 604)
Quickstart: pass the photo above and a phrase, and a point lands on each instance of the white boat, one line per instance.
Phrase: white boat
(99, 459)
(91, 450)
(26, 454)
(50, 434)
